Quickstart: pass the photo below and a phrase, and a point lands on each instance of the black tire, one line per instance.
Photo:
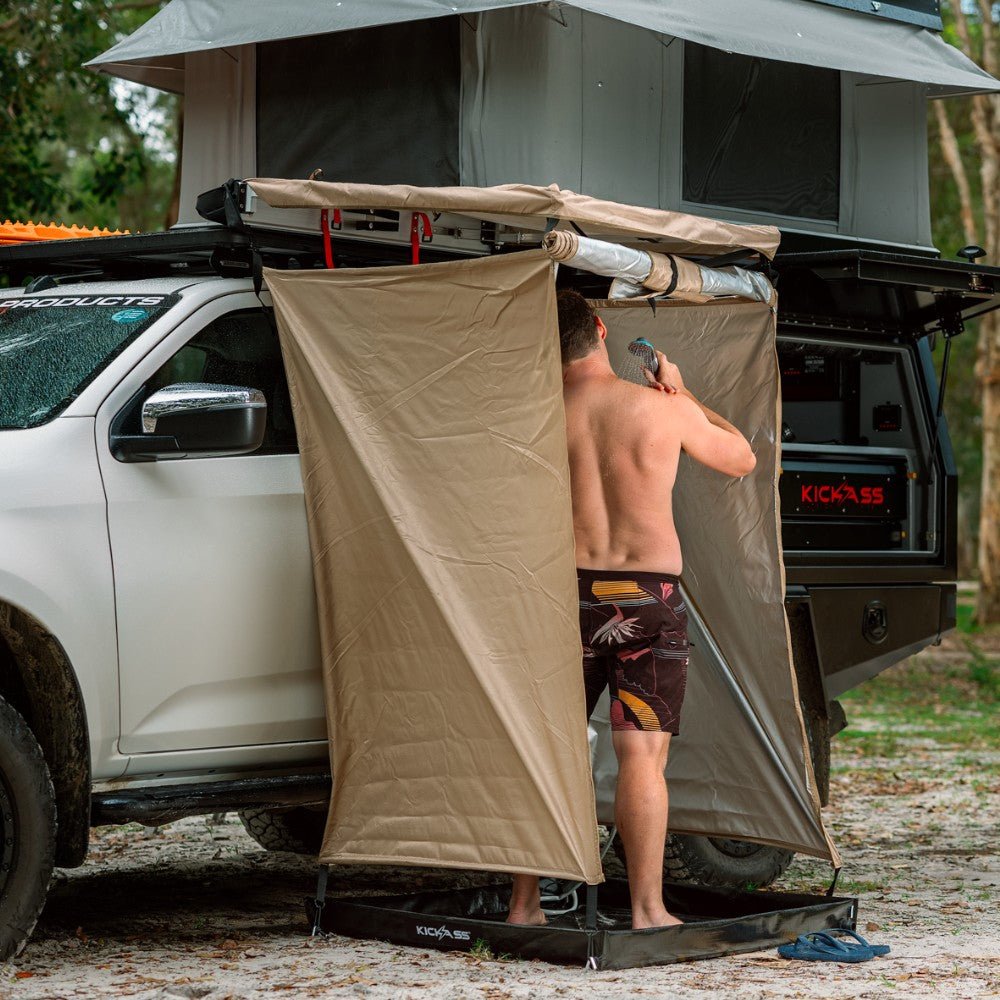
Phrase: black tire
(723, 861)
(718, 861)
(297, 830)
(27, 831)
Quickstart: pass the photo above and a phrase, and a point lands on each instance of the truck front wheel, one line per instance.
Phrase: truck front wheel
(27, 831)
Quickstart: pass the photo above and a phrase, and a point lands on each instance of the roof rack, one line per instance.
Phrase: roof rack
(194, 250)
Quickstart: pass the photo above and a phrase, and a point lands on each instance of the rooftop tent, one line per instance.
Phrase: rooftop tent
(798, 31)
(495, 92)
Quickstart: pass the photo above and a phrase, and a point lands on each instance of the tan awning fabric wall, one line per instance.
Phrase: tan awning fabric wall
(740, 766)
(428, 404)
(528, 206)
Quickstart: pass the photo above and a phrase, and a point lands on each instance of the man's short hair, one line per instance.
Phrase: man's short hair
(578, 335)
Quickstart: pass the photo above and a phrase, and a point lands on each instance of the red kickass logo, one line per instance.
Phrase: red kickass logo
(843, 493)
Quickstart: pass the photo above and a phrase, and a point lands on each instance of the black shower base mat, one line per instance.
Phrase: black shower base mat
(717, 922)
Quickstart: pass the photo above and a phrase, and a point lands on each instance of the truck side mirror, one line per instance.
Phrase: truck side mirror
(195, 419)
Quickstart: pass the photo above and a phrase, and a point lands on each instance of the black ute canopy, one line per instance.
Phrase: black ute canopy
(885, 294)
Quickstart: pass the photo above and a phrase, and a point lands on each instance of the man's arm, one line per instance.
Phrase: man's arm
(707, 437)
(712, 440)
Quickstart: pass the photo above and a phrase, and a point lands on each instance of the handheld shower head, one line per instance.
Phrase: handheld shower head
(641, 357)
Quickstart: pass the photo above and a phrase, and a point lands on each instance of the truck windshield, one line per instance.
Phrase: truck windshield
(52, 347)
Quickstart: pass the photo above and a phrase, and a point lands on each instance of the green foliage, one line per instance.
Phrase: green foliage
(481, 950)
(965, 619)
(924, 704)
(72, 147)
(985, 674)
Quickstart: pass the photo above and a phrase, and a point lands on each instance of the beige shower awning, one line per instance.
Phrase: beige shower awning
(528, 206)
(428, 405)
(740, 767)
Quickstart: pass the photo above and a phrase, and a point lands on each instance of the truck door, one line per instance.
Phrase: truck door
(217, 631)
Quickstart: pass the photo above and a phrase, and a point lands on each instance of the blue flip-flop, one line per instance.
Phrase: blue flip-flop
(822, 946)
(877, 950)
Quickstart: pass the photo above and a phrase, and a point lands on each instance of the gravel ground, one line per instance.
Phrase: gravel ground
(196, 909)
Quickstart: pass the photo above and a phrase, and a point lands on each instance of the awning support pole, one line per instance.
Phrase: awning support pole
(591, 927)
(320, 901)
(942, 386)
(833, 884)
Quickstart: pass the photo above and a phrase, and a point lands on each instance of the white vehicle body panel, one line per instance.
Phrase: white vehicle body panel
(190, 622)
(217, 632)
(55, 563)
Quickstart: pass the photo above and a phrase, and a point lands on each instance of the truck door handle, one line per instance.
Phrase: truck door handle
(875, 622)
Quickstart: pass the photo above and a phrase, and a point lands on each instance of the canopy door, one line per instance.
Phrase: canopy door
(885, 295)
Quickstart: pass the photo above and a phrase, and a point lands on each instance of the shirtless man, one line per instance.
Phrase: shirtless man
(624, 444)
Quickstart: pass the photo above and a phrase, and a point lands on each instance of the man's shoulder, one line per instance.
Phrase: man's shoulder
(649, 398)
(673, 412)
(642, 393)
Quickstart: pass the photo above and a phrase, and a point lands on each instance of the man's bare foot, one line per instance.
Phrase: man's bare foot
(641, 919)
(527, 918)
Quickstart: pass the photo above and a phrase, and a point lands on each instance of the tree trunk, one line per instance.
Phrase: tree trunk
(174, 205)
(988, 604)
(986, 128)
(953, 157)
(988, 371)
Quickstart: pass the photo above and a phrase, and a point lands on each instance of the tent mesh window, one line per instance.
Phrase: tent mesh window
(378, 105)
(761, 135)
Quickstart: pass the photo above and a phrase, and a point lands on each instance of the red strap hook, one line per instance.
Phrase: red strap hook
(420, 232)
(324, 224)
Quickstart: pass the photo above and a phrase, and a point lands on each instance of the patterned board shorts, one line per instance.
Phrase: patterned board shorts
(634, 632)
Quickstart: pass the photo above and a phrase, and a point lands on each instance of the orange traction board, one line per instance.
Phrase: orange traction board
(29, 232)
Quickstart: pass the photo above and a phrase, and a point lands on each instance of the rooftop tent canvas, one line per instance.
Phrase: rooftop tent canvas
(654, 103)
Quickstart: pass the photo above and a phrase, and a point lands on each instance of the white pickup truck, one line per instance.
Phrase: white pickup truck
(159, 652)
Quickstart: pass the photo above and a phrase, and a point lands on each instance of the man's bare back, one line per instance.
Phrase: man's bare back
(624, 445)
